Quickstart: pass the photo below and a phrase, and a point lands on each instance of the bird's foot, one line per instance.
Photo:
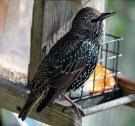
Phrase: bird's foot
(76, 107)
(78, 110)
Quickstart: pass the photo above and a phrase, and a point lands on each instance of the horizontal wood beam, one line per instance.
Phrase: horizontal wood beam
(13, 95)
(127, 87)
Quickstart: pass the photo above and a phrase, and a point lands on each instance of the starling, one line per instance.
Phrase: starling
(69, 62)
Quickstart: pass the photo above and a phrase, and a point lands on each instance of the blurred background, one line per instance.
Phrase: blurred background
(123, 25)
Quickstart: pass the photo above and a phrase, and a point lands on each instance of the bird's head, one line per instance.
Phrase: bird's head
(90, 18)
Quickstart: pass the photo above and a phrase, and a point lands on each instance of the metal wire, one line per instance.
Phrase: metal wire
(108, 57)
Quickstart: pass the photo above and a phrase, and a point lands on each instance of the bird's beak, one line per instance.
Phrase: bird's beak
(104, 16)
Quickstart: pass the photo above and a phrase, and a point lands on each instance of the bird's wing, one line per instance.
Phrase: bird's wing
(69, 67)
(59, 79)
(62, 70)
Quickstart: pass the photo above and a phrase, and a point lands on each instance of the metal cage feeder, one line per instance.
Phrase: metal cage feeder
(109, 56)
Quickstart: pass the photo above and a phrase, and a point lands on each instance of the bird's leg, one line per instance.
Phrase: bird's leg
(74, 105)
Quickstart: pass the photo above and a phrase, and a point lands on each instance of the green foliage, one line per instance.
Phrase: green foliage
(116, 26)
(111, 3)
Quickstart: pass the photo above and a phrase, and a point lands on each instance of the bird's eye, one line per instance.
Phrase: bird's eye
(94, 20)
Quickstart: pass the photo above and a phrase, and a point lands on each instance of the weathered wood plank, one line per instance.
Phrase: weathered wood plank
(36, 36)
(127, 87)
(58, 17)
(57, 21)
(83, 2)
(14, 38)
(13, 95)
(78, 1)
(3, 14)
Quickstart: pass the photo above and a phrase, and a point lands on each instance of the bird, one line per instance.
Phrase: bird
(69, 62)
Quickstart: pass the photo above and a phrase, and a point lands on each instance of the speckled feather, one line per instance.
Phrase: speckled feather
(69, 62)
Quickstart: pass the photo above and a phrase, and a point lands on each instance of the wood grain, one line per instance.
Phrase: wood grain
(78, 1)
(14, 94)
(127, 87)
(36, 37)
(3, 14)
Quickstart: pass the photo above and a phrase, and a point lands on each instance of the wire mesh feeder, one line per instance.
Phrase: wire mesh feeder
(102, 84)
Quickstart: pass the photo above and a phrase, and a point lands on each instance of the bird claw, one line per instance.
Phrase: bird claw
(79, 111)
(75, 106)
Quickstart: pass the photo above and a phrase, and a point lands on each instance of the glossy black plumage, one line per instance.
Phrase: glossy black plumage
(69, 63)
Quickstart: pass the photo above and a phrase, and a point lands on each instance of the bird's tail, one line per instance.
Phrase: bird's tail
(47, 99)
(30, 103)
